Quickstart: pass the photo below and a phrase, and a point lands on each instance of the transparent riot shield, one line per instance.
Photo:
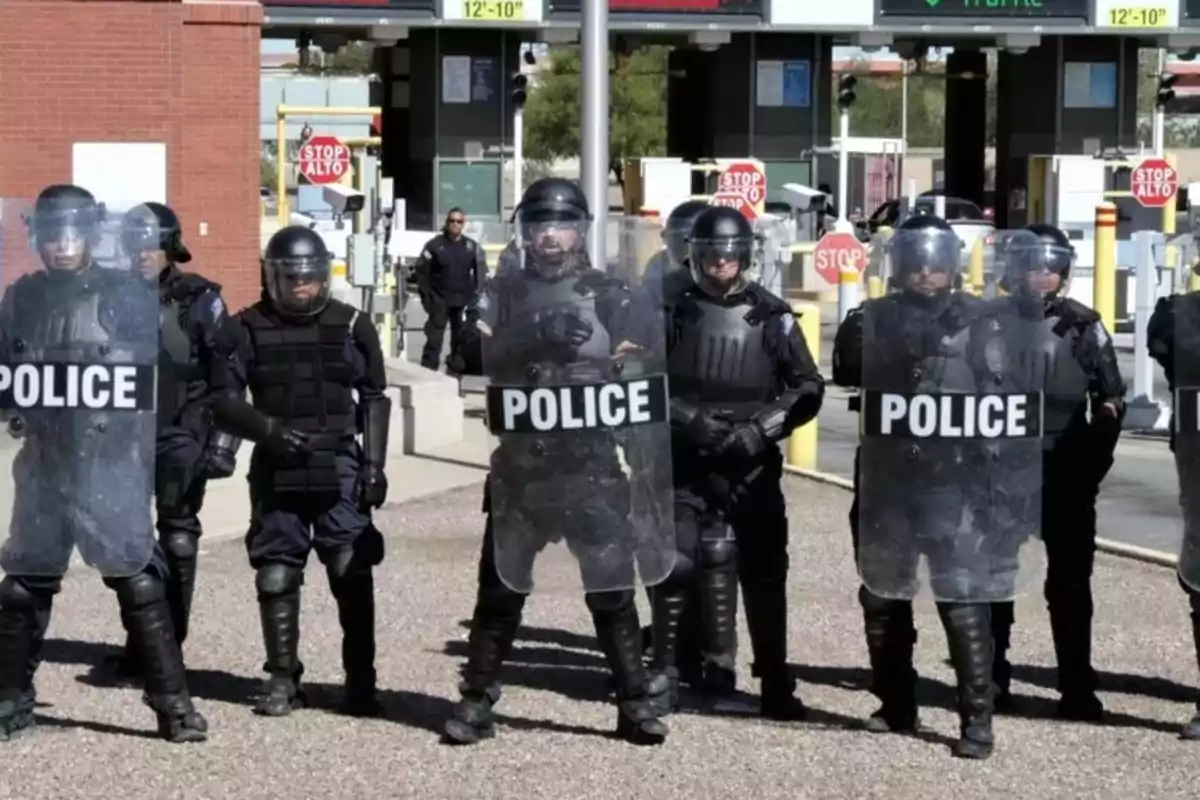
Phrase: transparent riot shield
(577, 399)
(78, 353)
(1186, 379)
(772, 253)
(949, 483)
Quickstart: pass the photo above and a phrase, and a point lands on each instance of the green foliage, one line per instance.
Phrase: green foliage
(355, 58)
(268, 171)
(880, 106)
(638, 110)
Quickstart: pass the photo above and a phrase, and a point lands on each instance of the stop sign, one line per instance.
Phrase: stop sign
(734, 200)
(323, 159)
(837, 253)
(745, 180)
(1154, 182)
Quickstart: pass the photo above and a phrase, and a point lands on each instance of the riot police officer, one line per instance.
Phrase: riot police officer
(449, 272)
(84, 477)
(191, 451)
(1173, 339)
(667, 272)
(1083, 376)
(302, 356)
(559, 323)
(741, 380)
(927, 342)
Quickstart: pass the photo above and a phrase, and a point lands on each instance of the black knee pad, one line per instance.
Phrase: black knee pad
(16, 596)
(717, 554)
(278, 580)
(609, 602)
(138, 591)
(874, 605)
(181, 546)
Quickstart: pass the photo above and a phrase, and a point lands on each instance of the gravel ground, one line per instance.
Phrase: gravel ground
(97, 741)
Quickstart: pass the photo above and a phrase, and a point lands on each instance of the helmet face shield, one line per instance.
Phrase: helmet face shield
(1034, 265)
(554, 235)
(64, 238)
(925, 260)
(298, 285)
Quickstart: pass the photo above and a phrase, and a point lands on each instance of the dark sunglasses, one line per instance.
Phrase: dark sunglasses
(455, 221)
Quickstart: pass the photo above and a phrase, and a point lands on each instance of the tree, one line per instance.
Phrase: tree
(638, 108)
(355, 58)
(880, 106)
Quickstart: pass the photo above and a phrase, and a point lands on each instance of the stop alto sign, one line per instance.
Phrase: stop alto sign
(323, 159)
(1154, 182)
(746, 180)
(736, 201)
(837, 253)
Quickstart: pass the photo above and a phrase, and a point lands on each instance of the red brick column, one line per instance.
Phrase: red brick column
(183, 73)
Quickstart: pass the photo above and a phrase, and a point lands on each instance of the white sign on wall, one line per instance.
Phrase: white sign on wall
(816, 14)
(493, 11)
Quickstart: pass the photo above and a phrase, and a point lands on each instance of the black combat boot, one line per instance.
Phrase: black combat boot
(891, 637)
(147, 619)
(16, 704)
(282, 692)
(669, 603)
(1002, 623)
(1192, 729)
(969, 633)
(619, 635)
(718, 615)
(1071, 628)
(488, 647)
(766, 617)
(355, 597)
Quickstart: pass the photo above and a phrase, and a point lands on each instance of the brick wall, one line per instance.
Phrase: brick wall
(183, 72)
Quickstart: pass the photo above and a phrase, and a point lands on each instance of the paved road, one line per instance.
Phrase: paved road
(97, 742)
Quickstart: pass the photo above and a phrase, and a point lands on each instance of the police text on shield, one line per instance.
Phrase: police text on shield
(952, 416)
(545, 409)
(99, 387)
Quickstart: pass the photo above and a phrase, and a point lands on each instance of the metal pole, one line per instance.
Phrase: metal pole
(1143, 409)
(594, 172)
(518, 156)
(903, 123)
(843, 191)
(1160, 114)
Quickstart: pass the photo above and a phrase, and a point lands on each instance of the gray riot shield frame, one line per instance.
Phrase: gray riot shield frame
(584, 450)
(1186, 419)
(77, 395)
(950, 467)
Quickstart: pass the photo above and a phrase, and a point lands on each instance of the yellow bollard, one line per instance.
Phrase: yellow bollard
(1104, 271)
(975, 268)
(802, 444)
(874, 287)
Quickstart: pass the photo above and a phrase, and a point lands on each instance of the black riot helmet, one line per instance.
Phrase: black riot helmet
(152, 227)
(720, 248)
(296, 270)
(926, 255)
(553, 218)
(1037, 260)
(64, 227)
(679, 226)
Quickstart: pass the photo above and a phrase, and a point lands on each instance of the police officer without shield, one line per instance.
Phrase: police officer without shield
(86, 339)
(741, 380)
(1173, 339)
(311, 485)
(449, 272)
(1083, 376)
(560, 338)
(947, 475)
(194, 344)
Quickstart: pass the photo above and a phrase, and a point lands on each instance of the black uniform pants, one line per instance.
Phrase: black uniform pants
(1071, 484)
(439, 312)
(497, 615)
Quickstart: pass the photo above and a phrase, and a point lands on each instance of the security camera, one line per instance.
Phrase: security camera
(801, 197)
(343, 199)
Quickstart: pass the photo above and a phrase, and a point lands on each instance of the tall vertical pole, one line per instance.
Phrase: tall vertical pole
(1159, 121)
(843, 191)
(594, 172)
(518, 176)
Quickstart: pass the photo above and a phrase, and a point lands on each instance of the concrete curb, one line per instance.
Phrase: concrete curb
(1131, 551)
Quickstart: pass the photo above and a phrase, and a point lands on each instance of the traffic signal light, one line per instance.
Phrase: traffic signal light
(520, 83)
(846, 95)
(1166, 90)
